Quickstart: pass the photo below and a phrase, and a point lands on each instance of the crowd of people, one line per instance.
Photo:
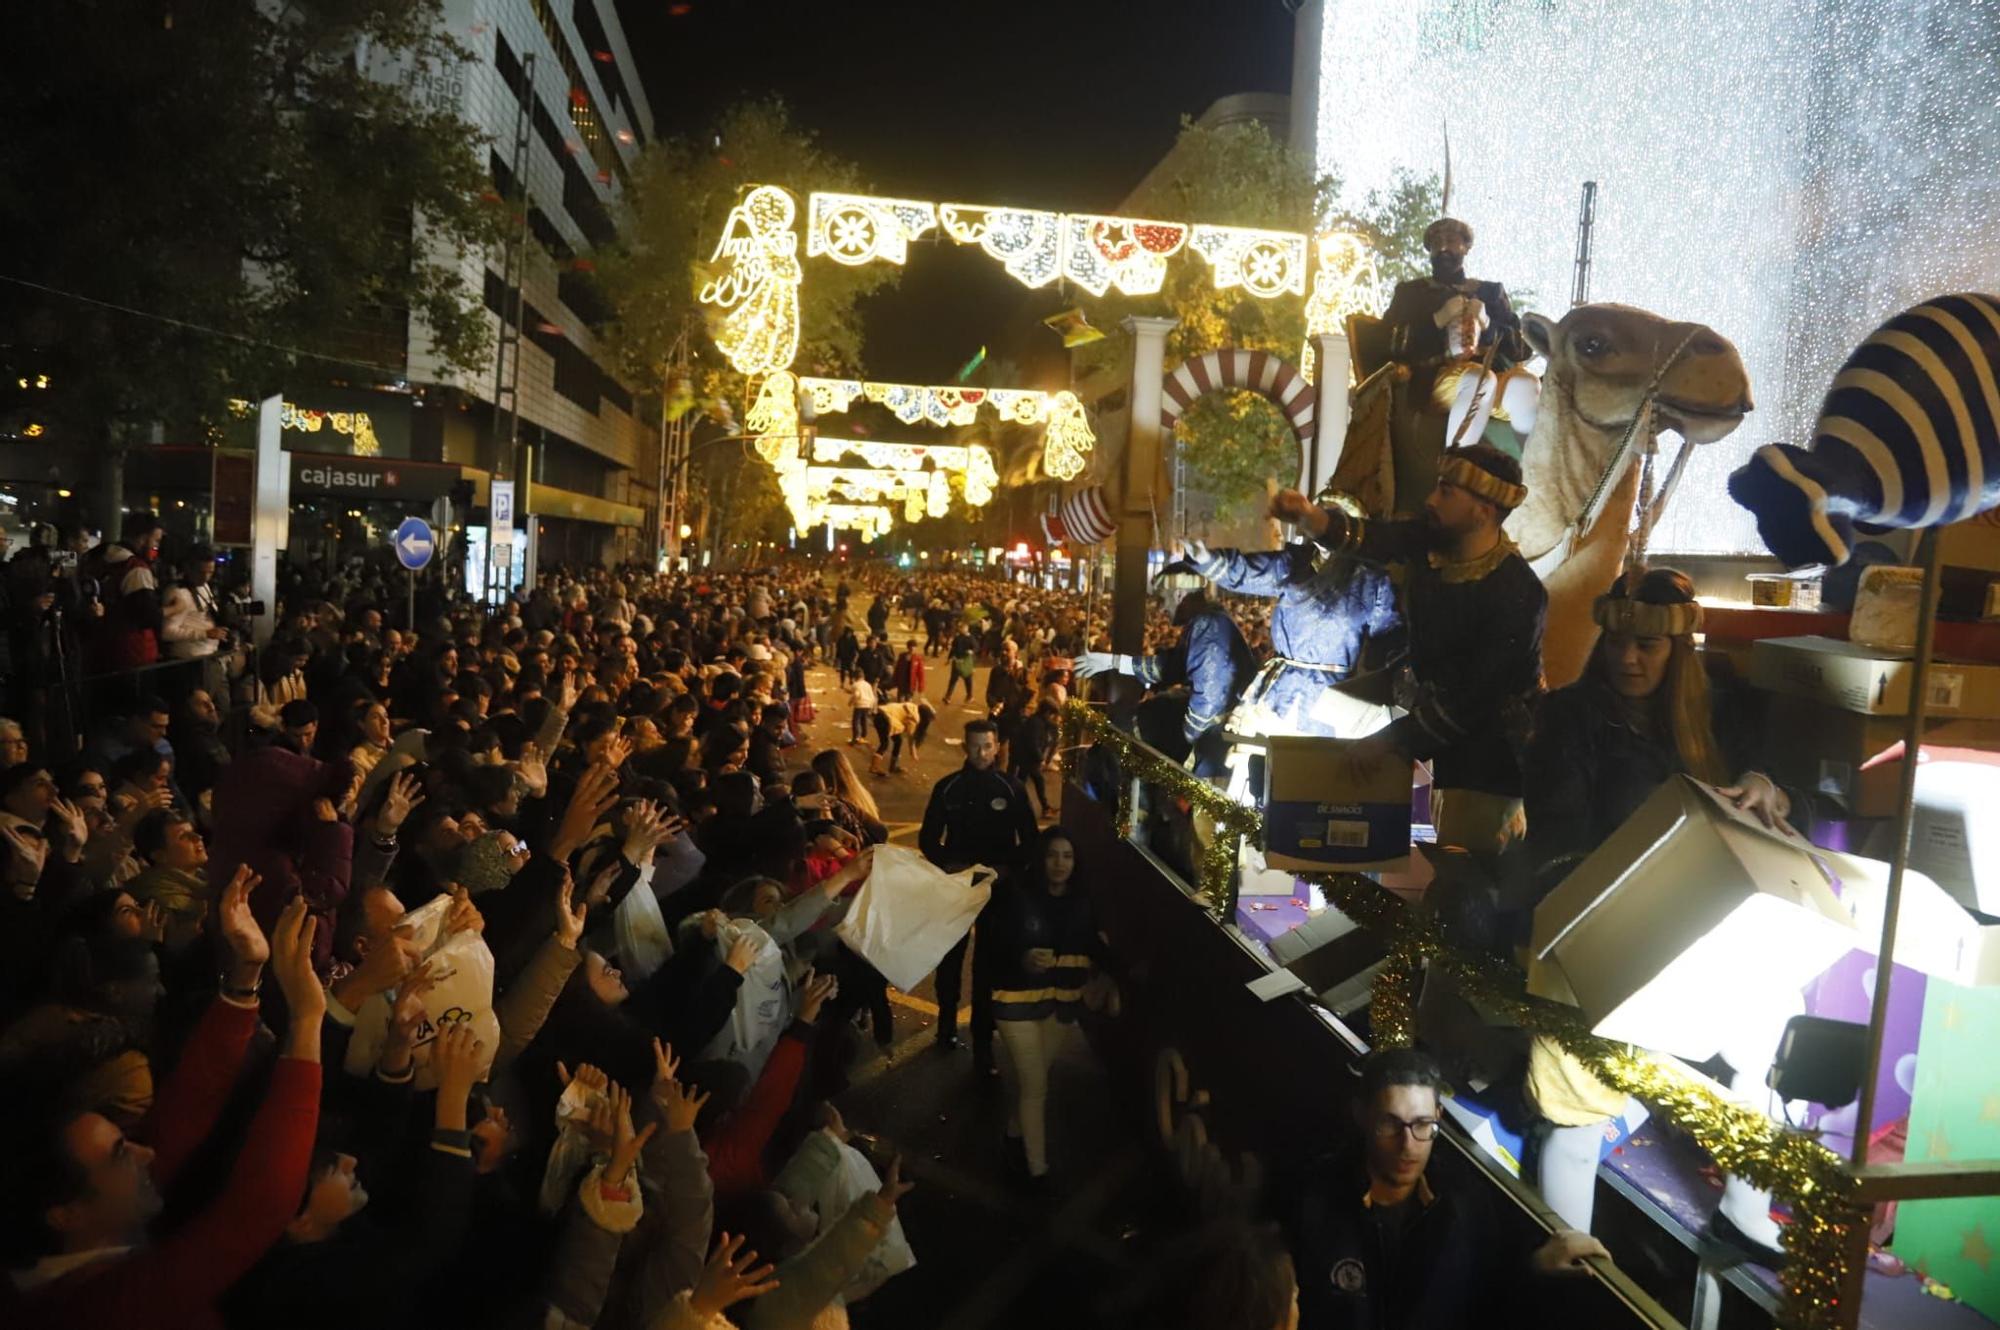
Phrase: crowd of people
(480, 972)
(484, 969)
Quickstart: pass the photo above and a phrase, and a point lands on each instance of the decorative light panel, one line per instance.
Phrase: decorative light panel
(858, 228)
(1265, 264)
(758, 291)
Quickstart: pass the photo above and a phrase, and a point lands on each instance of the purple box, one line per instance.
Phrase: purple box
(1845, 993)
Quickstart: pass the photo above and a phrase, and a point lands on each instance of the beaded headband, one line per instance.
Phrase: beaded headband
(1469, 475)
(1641, 618)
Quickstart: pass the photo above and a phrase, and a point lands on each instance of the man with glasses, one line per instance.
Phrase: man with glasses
(1377, 1247)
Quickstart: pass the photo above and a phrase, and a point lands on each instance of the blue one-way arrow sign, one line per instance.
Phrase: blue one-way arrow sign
(414, 543)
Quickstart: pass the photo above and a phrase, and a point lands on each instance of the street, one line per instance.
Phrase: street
(988, 1254)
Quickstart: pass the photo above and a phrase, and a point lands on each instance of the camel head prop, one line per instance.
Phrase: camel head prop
(1603, 362)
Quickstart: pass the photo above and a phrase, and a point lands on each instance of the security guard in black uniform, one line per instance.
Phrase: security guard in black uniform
(977, 815)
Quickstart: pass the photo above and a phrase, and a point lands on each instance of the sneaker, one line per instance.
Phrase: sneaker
(947, 1040)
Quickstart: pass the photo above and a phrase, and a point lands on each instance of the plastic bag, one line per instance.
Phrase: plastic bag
(763, 1001)
(854, 1178)
(462, 966)
(910, 912)
(640, 930)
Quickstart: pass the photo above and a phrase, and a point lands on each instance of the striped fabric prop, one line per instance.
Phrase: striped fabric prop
(1084, 518)
(1909, 436)
(1252, 371)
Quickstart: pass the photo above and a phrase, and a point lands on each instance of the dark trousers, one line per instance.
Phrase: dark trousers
(954, 681)
(1028, 770)
(950, 978)
(862, 988)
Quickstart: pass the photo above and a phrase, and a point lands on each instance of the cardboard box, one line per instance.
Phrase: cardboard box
(1689, 916)
(1954, 834)
(1325, 813)
(1871, 680)
(1852, 758)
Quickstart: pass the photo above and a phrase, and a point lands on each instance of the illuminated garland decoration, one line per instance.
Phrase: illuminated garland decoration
(1027, 242)
(974, 461)
(1264, 263)
(930, 406)
(1067, 442)
(1345, 283)
(355, 424)
(1791, 1166)
(1064, 447)
(774, 417)
(1099, 253)
(758, 291)
(855, 228)
(871, 520)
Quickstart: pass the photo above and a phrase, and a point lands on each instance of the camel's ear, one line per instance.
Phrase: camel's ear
(1540, 331)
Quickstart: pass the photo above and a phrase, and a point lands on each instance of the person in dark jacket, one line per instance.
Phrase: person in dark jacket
(1046, 952)
(1641, 714)
(976, 815)
(335, 1267)
(1475, 612)
(1379, 1246)
(844, 653)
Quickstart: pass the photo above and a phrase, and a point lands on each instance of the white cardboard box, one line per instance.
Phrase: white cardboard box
(1871, 680)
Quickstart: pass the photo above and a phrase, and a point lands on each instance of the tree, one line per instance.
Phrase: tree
(1233, 175)
(1393, 222)
(682, 194)
(209, 198)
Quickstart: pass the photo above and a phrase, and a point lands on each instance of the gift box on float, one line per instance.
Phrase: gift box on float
(1955, 826)
(1853, 758)
(1687, 914)
(1874, 681)
(1328, 810)
(1955, 1115)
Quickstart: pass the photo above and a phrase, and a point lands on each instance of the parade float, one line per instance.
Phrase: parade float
(1251, 1010)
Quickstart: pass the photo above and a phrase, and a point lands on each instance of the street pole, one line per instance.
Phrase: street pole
(413, 598)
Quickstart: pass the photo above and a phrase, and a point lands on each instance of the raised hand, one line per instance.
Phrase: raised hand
(616, 749)
(596, 793)
(292, 963)
(405, 793)
(406, 1022)
(818, 989)
(324, 810)
(599, 890)
(153, 922)
(742, 952)
(249, 949)
(728, 1278)
(70, 822)
(463, 916)
(625, 1143)
(894, 1188)
(532, 769)
(455, 1060)
(679, 1110)
(569, 918)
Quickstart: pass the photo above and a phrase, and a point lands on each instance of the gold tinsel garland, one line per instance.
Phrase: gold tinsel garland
(1798, 1170)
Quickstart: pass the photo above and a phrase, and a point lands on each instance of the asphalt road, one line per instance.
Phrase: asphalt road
(989, 1253)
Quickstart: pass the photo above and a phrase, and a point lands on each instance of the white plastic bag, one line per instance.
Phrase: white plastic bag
(910, 912)
(640, 930)
(462, 967)
(763, 1001)
(854, 1178)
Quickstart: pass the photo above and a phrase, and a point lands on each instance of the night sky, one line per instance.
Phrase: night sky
(1053, 105)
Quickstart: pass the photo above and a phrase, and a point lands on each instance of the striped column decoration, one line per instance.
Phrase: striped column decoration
(1259, 372)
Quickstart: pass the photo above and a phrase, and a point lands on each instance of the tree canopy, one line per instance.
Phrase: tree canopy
(208, 198)
(682, 194)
